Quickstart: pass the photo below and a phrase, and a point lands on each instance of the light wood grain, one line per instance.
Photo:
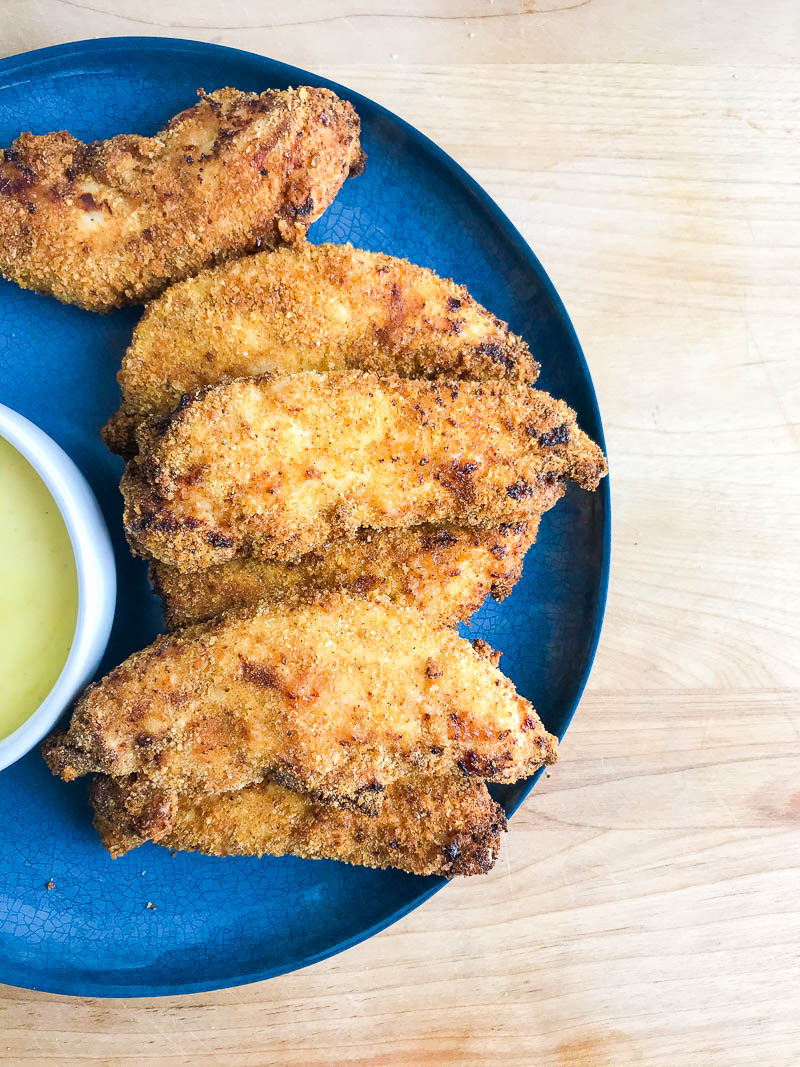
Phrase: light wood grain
(313, 33)
(645, 909)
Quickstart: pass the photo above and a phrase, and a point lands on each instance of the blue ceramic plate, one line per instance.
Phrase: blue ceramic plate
(224, 922)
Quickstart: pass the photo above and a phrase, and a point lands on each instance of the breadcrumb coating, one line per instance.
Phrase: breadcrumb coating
(446, 571)
(115, 222)
(308, 307)
(275, 468)
(336, 698)
(444, 826)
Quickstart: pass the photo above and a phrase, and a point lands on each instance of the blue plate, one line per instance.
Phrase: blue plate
(223, 922)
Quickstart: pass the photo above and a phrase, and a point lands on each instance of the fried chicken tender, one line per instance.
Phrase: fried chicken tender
(275, 468)
(115, 222)
(445, 571)
(445, 826)
(337, 698)
(308, 307)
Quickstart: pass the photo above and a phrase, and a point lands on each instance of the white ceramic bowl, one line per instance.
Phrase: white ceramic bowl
(97, 576)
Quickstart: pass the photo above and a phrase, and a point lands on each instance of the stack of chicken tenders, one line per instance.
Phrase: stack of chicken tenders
(333, 457)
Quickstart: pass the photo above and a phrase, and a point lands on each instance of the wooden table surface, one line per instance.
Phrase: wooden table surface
(645, 909)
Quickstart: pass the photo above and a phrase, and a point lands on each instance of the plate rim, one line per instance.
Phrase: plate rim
(25, 62)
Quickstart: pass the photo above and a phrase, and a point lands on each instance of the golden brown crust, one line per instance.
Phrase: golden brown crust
(445, 826)
(446, 571)
(275, 468)
(119, 434)
(115, 222)
(308, 307)
(337, 698)
(131, 810)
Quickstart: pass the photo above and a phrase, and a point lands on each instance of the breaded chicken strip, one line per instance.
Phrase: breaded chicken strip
(275, 468)
(337, 698)
(115, 222)
(308, 307)
(445, 826)
(445, 571)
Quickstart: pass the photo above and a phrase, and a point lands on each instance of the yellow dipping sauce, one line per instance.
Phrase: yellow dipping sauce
(38, 590)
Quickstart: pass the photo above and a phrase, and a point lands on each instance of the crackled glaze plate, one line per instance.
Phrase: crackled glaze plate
(223, 922)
